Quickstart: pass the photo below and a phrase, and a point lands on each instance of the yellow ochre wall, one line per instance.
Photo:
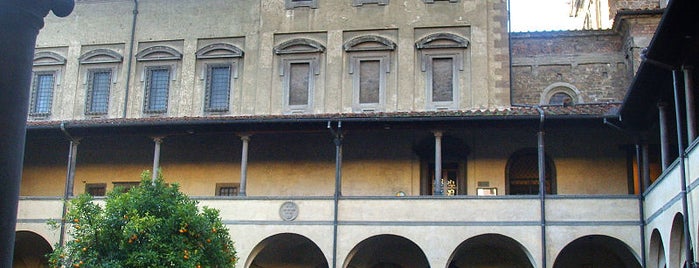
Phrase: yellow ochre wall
(375, 163)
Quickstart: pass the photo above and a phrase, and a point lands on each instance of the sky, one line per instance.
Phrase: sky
(541, 15)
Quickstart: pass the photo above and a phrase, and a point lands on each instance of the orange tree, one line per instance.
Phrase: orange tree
(151, 225)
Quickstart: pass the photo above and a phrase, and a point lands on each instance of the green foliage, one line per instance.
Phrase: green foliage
(152, 225)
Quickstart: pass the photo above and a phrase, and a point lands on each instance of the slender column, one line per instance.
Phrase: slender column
(438, 189)
(244, 165)
(70, 181)
(72, 160)
(683, 173)
(645, 171)
(20, 22)
(156, 158)
(689, 102)
(664, 138)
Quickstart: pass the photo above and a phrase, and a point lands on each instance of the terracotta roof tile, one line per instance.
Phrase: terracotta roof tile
(598, 110)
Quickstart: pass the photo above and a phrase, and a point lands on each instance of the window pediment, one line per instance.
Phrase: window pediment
(100, 56)
(301, 45)
(219, 50)
(442, 40)
(158, 53)
(369, 43)
(47, 58)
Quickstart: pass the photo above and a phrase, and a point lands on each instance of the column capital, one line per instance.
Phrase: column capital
(34, 10)
(245, 136)
(438, 133)
(158, 139)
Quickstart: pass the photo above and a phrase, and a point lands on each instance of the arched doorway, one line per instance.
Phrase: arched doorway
(386, 251)
(490, 251)
(30, 250)
(287, 250)
(656, 251)
(678, 250)
(522, 173)
(596, 251)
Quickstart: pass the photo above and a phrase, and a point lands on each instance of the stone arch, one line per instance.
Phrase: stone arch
(525, 163)
(656, 251)
(286, 250)
(158, 53)
(369, 43)
(561, 87)
(46, 58)
(30, 250)
(100, 55)
(386, 251)
(219, 50)
(596, 251)
(442, 40)
(299, 45)
(490, 250)
(678, 251)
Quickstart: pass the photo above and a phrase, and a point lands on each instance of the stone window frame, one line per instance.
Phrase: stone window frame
(45, 63)
(432, 1)
(213, 56)
(299, 50)
(442, 46)
(98, 60)
(158, 57)
(369, 48)
(356, 3)
(560, 87)
(291, 4)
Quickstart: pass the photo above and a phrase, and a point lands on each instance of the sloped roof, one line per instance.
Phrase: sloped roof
(675, 44)
(299, 121)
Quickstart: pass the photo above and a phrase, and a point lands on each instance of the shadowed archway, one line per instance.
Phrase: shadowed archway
(30, 250)
(287, 250)
(596, 251)
(490, 251)
(386, 251)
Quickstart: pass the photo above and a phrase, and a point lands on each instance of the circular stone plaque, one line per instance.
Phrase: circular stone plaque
(289, 211)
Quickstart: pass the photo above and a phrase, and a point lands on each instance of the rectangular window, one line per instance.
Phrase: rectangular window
(99, 82)
(96, 189)
(369, 81)
(227, 189)
(442, 79)
(157, 87)
(42, 93)
(218, 83)
(299, 86)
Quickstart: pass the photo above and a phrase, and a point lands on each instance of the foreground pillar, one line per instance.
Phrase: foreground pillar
(20, 21)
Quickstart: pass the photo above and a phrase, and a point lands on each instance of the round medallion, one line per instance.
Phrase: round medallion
(289, 211)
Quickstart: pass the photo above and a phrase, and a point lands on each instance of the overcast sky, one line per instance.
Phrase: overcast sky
(541, 15)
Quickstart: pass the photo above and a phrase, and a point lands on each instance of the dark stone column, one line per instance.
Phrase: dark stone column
(20, 22)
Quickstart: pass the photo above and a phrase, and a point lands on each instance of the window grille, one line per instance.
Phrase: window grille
(157, 87)
(42, 94)
(218, 88)
(99, 82)
(227, 189)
